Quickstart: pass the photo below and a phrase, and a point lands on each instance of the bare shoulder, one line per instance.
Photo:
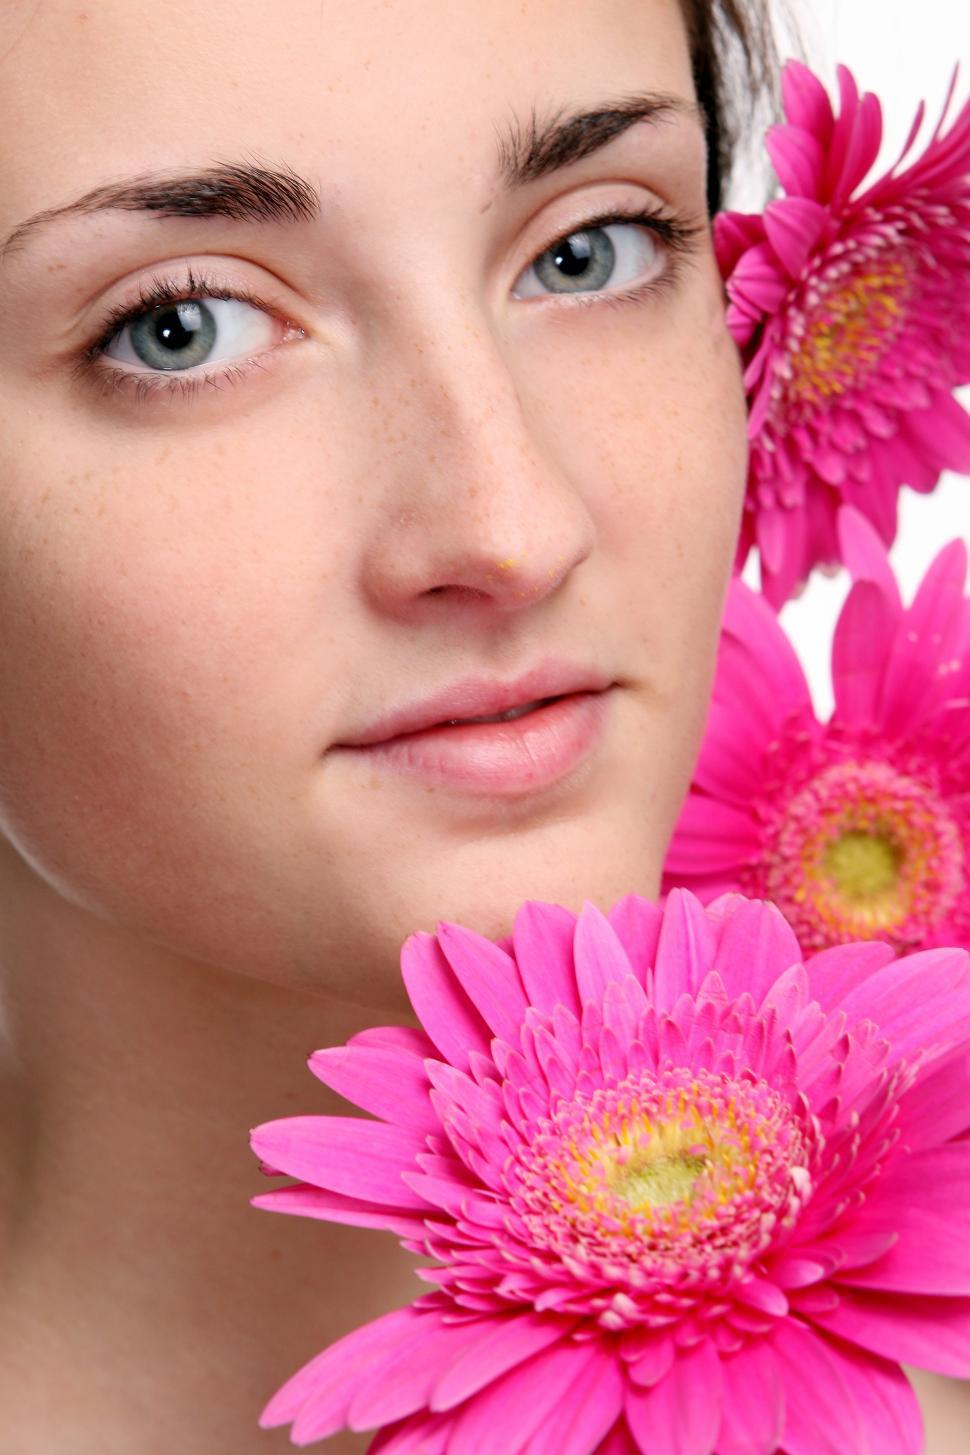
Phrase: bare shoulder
(946, 1412)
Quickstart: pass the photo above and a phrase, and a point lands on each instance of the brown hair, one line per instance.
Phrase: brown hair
(735, 67)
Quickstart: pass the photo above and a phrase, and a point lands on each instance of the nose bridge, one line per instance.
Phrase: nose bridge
(479, 502)
(463, 393)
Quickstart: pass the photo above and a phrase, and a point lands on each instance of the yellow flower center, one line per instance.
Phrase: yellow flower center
(665, 1171)
(864, 850)
(659, 1181)
(863, 866)
(848, 329)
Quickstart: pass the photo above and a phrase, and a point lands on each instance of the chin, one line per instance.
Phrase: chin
(481, 884)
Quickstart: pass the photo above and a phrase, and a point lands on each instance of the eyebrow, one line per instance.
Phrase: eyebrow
(250, 192)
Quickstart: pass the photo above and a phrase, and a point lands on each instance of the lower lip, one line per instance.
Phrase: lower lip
(522, 756)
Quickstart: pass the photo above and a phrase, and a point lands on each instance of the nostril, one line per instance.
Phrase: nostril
(456, 592)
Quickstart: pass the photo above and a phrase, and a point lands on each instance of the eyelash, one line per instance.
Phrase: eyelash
(678, 236)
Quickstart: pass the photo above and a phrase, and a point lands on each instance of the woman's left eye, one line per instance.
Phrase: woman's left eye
(606, 253)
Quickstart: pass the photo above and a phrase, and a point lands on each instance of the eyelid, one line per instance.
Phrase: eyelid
(677, 233)
(175, 383)
(160, 290)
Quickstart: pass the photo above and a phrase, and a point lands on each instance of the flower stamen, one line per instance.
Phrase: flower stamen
(849, 316)
(863, 849)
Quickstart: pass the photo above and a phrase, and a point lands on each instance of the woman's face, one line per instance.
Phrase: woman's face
(427, 460)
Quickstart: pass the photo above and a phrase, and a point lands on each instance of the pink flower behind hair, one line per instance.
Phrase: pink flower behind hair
(684, 1193)
(858, 827)
(852, 311)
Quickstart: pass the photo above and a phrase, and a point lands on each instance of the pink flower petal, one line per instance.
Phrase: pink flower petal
(925, 636)
(860, 649)
(756, 947)
(941, 432)
(600, 957)
(511, 1341)
(832, 973)
(402, 1383)
(618, 1442)
(711, 838)
(794, 225)
(753, 1402)
(734, 233)
(917, 1001)
(419, 1434)
(350, 1155)
(915, 1198)
(685, 949)
(489, 978)
(757, 280)
(445, 1011)
(395, 1038)
(781, 690)
(937, 1107)
(842, 1398)
(543, 941)
(329, 1376)
(682, 1414)
(653, 1362)
(637, 923)
(307, 1201)
(932, 1333)
(389, 1084)
(797, 158)
(862, 148)
(822, 1415)
(731, 762)
(587, 1412)
(890, 1410)
(806, 101)
(523, 1400)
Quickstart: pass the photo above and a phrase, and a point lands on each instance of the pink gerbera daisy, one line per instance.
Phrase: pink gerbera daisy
(684, 1192)
(852, 311)
(858, 827)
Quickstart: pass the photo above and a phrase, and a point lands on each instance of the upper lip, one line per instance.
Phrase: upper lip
(479, 697)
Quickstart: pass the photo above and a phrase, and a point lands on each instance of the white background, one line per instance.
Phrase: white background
(904, 50)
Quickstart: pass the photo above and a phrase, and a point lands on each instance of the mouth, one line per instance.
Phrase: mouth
(492, 738)
(511, 715)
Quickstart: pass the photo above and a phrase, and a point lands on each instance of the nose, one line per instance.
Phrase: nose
(479, 514)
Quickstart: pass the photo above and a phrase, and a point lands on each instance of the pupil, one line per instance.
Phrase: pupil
(176, 326)
(573, 254)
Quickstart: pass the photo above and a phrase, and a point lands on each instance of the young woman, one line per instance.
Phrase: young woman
(363, 370)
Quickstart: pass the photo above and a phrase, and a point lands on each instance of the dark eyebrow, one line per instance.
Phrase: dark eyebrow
(244, 191)
(528, 153)
(249, 192)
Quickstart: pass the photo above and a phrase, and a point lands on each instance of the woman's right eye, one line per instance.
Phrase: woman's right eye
(614, 252)
(190, 332)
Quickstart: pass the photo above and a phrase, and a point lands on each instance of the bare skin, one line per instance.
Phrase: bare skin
(432, 472)
(429, 478)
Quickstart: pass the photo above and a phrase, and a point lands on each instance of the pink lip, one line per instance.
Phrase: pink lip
(523, 755)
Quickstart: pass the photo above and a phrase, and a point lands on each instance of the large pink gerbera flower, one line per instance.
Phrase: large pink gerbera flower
(686, 1193)
(852, 311)
(858, 827)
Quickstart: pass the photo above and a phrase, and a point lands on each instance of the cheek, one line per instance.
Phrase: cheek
(657, 435)
(145, 703)
(652, 427)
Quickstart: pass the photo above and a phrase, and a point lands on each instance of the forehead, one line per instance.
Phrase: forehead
(368, 95)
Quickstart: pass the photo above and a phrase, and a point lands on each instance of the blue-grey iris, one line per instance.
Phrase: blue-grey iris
(175, 336)
(583, 260)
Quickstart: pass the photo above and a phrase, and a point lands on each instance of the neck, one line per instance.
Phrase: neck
(140, 1285)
